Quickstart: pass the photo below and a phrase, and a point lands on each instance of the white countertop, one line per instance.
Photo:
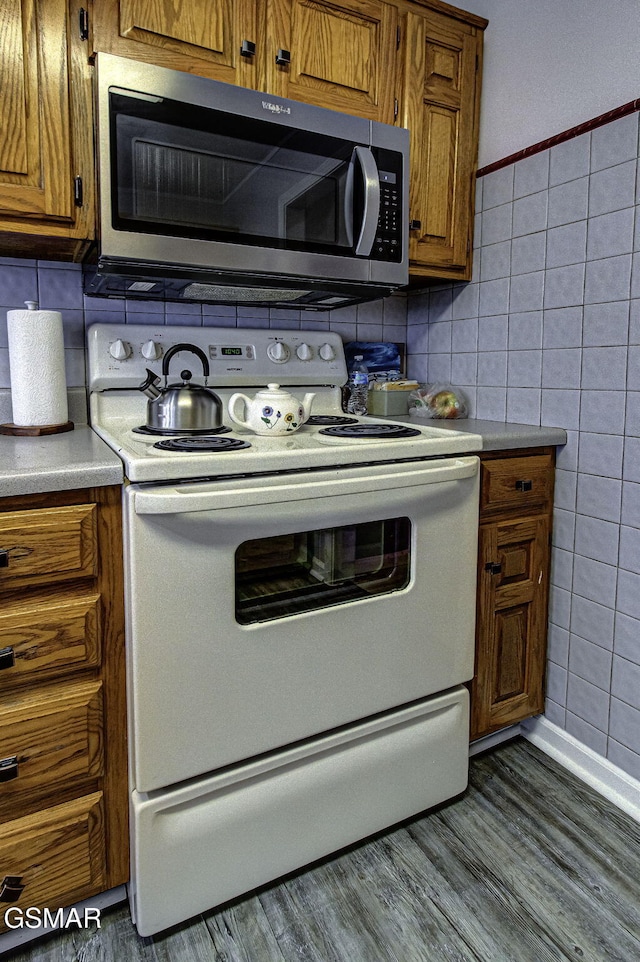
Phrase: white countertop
(56, 462)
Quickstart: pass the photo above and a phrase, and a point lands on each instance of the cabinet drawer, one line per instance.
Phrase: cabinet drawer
(48, 545)
(44, 638)
(54, 737)
(516, 482)
(53, 858)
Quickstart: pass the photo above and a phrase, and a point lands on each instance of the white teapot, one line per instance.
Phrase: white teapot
(272, 411)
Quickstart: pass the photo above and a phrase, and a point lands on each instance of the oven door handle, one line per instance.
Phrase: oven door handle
(215, 496)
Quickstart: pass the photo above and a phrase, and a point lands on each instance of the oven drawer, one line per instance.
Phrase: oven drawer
(53, 857)
(213, 840)
(47, 545)
(44, 638)
(49, 739)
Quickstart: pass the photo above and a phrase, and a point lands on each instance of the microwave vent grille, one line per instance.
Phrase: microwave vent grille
(200, 291)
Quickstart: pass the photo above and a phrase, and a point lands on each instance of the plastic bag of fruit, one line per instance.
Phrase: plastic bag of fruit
(438, 401)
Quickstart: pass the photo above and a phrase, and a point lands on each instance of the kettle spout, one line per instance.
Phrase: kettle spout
(306, 405)
(150, 385)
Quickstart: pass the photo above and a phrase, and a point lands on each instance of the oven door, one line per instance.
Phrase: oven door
(262, 611)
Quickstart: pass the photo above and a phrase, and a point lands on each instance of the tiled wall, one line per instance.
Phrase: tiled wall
(549, 334)
(58, 286)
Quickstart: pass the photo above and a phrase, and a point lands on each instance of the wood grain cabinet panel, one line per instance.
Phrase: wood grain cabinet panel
(440, 108)
(49, 637)
(513, 590)
(53, 858)
(203, 38)
(46, 138)
(516, 483)
(342, 54)
(48, 546)
(55, 737)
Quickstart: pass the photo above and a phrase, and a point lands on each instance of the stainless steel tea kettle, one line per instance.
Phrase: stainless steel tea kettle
(181, 408)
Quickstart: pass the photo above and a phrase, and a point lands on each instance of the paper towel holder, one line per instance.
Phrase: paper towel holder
(35, 430)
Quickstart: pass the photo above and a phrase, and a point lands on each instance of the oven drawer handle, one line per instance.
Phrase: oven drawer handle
(205, 496)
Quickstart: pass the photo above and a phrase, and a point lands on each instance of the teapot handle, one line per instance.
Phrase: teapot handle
(233, 400)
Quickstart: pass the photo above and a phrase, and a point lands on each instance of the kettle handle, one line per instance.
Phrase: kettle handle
(233, 400)
(185, 347)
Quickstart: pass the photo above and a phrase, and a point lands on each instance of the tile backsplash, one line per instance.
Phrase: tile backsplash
(549, 333)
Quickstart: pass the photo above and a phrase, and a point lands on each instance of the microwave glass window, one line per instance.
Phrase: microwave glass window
(203, 173)
(289, 574)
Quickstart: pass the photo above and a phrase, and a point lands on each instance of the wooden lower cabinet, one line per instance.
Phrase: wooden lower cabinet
(516, 500)
(54, 858)
(63, 758)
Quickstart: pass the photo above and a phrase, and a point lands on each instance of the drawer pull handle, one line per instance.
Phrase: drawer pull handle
(524, 485)
(11, 888)
(7, 658)
(4, 558)
(8, 768)
(493, 567)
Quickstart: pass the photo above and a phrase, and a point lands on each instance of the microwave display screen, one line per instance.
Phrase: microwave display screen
(197, 172)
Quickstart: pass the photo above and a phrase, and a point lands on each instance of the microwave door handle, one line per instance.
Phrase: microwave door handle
(371, 213)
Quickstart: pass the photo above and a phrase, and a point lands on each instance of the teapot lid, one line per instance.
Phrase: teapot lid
(274, 389)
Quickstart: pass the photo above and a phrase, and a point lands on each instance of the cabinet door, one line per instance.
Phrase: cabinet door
(200, 37)
(512, 616)
(53, 858)
(45, 101)
(440, 110)
(342, 54)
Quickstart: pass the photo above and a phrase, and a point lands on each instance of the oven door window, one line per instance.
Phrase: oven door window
(289, 574)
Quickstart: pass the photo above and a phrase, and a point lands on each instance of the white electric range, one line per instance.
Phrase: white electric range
(299, 614)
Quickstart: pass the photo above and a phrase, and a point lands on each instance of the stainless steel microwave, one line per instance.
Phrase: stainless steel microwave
(211, 192)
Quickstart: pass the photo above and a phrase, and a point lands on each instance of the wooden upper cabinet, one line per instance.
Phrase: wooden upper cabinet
(440, 108)
(201, 38)
(342, 54)
(45, 128)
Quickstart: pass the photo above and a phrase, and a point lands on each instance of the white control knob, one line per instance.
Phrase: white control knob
(151, 350)
(304, 352)
(326, 352)
(120, 350)
(278, 352)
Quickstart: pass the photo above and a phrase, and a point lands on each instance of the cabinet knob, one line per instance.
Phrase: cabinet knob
(493, 567)
(4, 558)
(7, 658)
(283, 58)
(522, 485)
(247, 48)
(415, 225)
(8, 768)
(11, 888)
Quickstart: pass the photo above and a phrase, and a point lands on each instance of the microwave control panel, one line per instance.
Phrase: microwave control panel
(387, 245)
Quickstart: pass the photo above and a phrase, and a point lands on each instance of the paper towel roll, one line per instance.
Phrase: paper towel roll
(36, 364)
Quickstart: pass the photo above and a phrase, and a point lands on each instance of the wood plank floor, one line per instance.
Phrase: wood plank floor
(530, 865)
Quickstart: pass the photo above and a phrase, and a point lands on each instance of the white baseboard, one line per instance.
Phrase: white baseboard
(607, 779)
(496, 738)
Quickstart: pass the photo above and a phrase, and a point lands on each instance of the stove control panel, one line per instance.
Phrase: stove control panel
(119, 355)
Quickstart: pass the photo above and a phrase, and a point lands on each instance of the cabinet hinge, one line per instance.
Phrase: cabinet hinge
(78, 192)
(399, 38)
(395, 108)
(83, 23)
